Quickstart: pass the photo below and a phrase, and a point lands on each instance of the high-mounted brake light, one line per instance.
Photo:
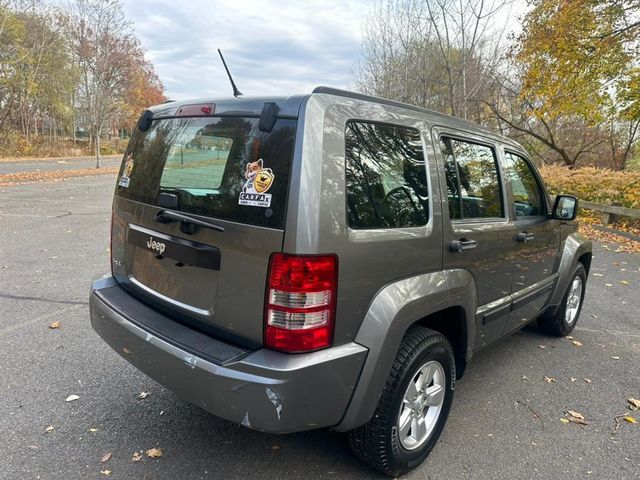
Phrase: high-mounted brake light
(197, 110)
(301, 302)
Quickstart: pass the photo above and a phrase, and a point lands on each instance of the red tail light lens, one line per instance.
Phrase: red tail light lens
(301, 302)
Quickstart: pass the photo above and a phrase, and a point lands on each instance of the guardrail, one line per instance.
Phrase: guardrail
(610, 213)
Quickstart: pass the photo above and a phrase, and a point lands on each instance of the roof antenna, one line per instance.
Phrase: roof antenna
(236, 92)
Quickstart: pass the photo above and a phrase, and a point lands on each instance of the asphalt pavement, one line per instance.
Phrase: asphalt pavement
(505, 421)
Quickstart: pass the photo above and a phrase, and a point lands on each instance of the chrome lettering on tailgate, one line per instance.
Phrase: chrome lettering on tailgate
(156, 246)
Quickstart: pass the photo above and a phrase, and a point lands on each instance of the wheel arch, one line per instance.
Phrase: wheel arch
(444, 301)
(577, 249)
(451, 322)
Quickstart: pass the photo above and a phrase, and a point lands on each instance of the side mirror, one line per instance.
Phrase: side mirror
(565, 207)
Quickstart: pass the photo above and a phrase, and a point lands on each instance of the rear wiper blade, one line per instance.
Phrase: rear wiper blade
(167, 216)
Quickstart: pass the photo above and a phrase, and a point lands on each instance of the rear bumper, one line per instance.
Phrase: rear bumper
(261, 389)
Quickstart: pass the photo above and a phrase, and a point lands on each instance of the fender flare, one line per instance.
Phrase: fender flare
(394, 309)
(575, 246)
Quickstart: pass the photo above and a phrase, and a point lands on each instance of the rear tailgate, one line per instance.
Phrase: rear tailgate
(199, 208)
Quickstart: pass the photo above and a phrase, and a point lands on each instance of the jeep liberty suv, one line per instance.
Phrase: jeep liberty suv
(329, 260)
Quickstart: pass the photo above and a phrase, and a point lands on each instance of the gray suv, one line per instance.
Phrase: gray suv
(329, 260)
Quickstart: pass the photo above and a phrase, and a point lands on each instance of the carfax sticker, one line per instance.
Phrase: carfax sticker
(128, 168)
(258, 181)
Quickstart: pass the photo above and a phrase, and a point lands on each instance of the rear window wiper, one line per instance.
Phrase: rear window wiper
(188, 223)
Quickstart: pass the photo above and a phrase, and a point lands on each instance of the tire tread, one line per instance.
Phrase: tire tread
(554, 323)
(369, 441)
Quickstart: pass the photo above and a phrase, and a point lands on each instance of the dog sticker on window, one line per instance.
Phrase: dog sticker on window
(128, 168)
(258, 181)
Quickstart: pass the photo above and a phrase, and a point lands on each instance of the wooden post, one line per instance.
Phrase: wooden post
(609, 218)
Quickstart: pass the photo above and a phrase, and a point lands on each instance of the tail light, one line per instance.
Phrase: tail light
(301, 302)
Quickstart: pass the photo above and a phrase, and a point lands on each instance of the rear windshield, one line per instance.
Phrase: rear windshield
(221, 167)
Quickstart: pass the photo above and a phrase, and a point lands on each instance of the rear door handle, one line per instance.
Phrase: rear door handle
(525, 237)
(462, 245)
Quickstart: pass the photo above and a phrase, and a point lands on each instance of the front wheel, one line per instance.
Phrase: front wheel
(564, 319)
(413, 407)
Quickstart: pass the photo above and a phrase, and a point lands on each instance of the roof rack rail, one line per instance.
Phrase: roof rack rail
(384, 101)
(361, 96)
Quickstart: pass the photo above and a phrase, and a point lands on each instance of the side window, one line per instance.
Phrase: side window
(473, 184)
(527, 192)
(386, 176)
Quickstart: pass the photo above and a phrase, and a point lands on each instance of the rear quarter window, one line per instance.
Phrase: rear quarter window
(221, 167)
(386, 176)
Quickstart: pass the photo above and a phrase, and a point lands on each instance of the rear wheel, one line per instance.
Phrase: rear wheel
(413, 407)
(564, 319)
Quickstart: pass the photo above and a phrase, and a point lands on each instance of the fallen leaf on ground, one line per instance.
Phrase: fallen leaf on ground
(542, 346)
(106, 457)
(275, 447)
(624, 282)
(576, 343)
(578, 421)
(549, 379)
(587, 380)
(634, 404)
(573, 379)
(564, 420)
(598, 275)
(154, 453)
(569, 337)
(616, 358)
(630, 419)
(594, 316)
(106, 473)
(93, 430)
(577, 415)
(608, 285)
(55, 325)
(71, 398)
(49, 429)
(136, 457)
(143, 395)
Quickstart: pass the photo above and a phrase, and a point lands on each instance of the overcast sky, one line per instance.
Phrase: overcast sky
(271, 46)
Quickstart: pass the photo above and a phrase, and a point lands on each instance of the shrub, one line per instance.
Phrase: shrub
(594, 184)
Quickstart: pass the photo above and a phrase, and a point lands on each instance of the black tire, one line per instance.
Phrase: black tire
(556, 323)
(378, 442)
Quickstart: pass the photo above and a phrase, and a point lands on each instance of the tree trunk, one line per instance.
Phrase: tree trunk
(97, 148)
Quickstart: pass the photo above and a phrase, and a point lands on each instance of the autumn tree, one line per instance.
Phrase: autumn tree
(36, 74)
(571, 85)
(434, 53)
(102, 41)
(143, 89)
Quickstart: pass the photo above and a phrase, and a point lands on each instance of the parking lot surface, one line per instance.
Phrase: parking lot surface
(505, 420)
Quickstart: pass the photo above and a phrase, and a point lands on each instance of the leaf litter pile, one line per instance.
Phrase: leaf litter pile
(8, 179)
(624, 244)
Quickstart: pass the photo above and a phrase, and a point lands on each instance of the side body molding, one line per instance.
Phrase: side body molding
(393, 310)
(574, 247)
